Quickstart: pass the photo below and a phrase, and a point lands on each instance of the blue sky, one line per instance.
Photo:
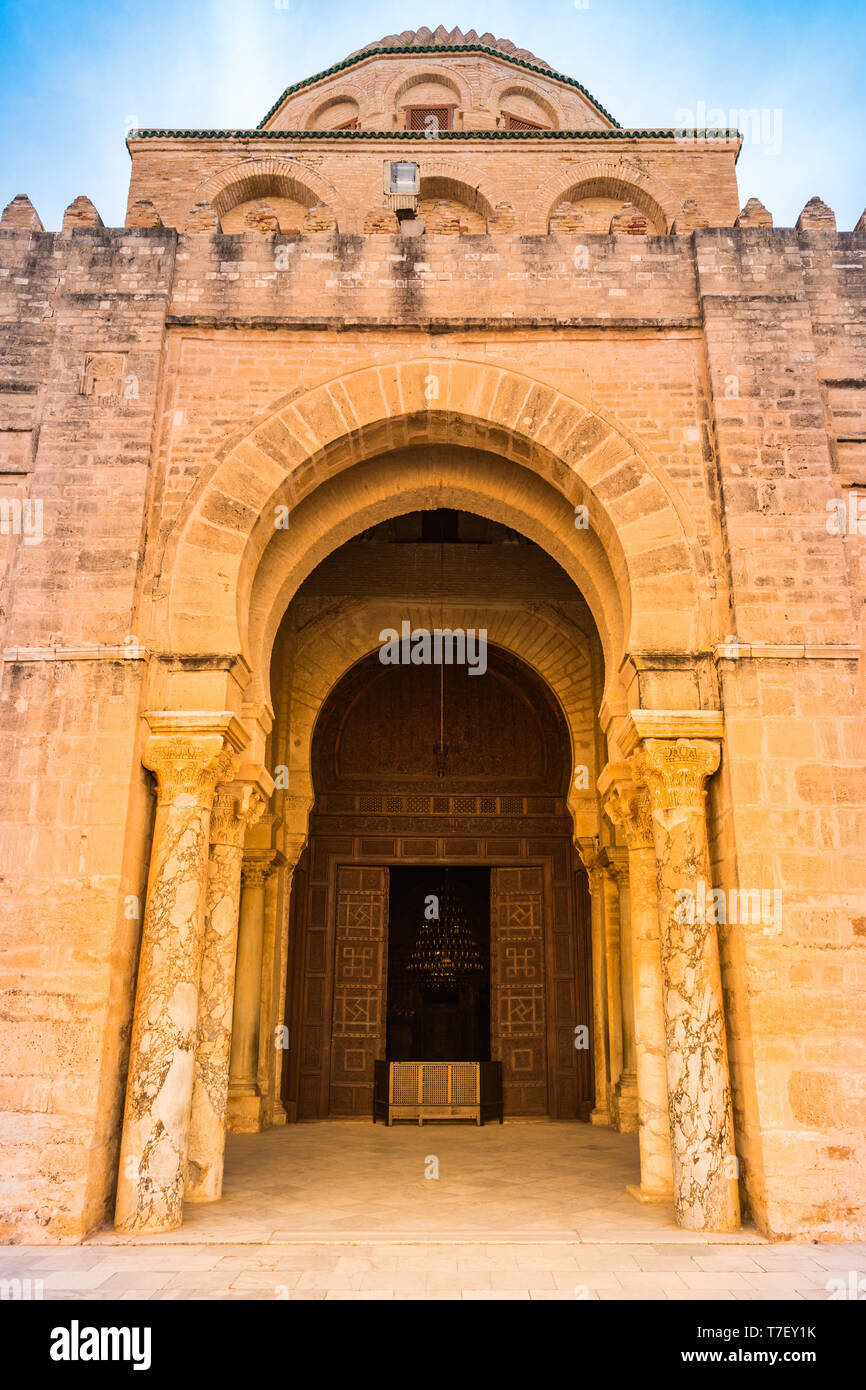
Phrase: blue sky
(74, 76)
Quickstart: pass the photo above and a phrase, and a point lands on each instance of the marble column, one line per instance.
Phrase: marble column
(236, 807)
(271, 1051)
(591, 860)
(244, 1099)
(674, 770)
(628, 808)
(625, 1091)
(610, 906)
(152, 1170)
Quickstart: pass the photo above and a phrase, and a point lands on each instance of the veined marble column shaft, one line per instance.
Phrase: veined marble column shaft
(244, 1104)
(628, 808)
(235, 808)
(591, 861)
(702, 1131)
(153, 1150)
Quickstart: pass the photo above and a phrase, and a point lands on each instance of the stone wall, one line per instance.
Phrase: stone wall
(733, 358)
(346, 174)
(83, 340)
(783, 316)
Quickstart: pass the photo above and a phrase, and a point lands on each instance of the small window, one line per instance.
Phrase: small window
(424, 118)
(519, 123)
(353, 124)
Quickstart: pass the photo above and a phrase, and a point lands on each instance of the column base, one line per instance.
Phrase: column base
(202, 1194)
(625, 1105)
(599, 1117)
(273, 1114)
(204, 1180)
(244, 1111)
(650, 1194)
(152, 1228)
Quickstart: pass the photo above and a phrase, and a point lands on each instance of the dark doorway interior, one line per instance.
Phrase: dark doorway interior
(439, 966)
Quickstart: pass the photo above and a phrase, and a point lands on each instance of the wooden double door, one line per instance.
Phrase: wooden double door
(540, 984)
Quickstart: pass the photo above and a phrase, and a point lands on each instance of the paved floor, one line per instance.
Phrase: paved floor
(343, 1210)
(362, 1182)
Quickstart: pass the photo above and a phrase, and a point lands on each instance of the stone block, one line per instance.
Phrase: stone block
(203, 218)
(816, 217)
(261, 217)
(381, 222)
(754, 214)
(565, 219)
(629, 221)
(143, 214)
(443, 220)
(502, 219)
(319, 218)
(688, 219)
(81, 213)
(21, 216)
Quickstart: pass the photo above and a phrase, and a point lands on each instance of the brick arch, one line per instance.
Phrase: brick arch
(328, 647)
(550, 453)
(335, 99)
(436, 186)
(255, 178)
(443, 172)
(619, 177)
(394, 91)
(507, 86)
(307, 110)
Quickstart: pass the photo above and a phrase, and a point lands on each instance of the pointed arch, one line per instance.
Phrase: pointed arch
(539, 636)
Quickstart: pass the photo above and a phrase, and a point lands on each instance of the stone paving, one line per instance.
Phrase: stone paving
(344, 1211)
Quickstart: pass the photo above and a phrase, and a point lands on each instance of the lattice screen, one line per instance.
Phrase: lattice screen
(428, 117)
(518, 123)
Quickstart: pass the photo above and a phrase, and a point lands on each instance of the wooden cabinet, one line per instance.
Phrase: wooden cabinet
(437, 1091)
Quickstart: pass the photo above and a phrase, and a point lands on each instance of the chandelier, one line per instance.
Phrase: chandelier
(445, 953)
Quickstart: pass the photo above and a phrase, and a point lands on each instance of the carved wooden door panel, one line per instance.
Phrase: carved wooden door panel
(517, 1024)
(360, 993)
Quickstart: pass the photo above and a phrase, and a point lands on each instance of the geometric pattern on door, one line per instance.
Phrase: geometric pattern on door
(360, 987)
(518, 1032)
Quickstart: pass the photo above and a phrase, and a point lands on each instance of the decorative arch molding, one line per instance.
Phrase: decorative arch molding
(255, 178)
(616, 177)
(335, 642)
(552, 453)
(395, 90)
(345, 96)
(414, 479)
(508, 87)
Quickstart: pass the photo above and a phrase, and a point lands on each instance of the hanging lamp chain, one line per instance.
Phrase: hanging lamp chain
(440, 752)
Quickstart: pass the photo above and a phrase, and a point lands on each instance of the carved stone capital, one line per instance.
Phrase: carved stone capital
(236, 807)
(255, 870)
(627, 806)
(589, 854)
(675, 771)
(186, 766)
